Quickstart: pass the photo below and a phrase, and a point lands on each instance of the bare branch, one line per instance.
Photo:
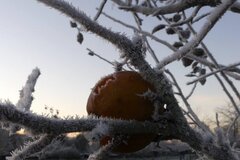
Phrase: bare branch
(130, 49)
(235, 7)
(218, 78)
(174, 8)
(231, 126)
(92, 53)
(212, 73)
(32, 147)
(208, 25)
(26, 98)
(189, 19)
(192, 90)
(145, 33)
(197, 120)
(210, 64)
(101, 154)
(39, 124)
(100, 9)
(168, 9)
(148, 46)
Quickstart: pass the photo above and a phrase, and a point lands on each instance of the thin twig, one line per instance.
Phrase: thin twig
(26, 98)
(101, 153)
(233, 75)
(201, 17)
(100, 9)
(151, 51)
(231, 126)
(140, 31)
(44, 125)
(212, 73)
(190, 116)
(235, 90)
(32, 147)
(167, 9)
(205, 62)
(217, 120)
(227, 92)
(207, 26)
(189, 19)
(200, 60)
(186, 103)
(192, 91)
(217, 77)
(92, 53)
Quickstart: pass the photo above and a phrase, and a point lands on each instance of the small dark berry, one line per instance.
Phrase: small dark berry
(186, 61)
(185, 34)
(158, 28)
(198, 52)
(170, 19)
(194, 64)
(170, 31)
(177, 44)
(80, 37)
(176, 17)
(73, 24)
(203, 71)
(196, 69)
(203, 81)
(90, 53)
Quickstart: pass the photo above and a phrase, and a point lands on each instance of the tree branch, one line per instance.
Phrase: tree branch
(133, 52)
(207, 26)
(32, 147)
(100, 9)
(212, 73)
(174, 8)
(42, 125)
(26, 98)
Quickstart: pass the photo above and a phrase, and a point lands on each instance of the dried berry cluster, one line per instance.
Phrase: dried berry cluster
(183, 36)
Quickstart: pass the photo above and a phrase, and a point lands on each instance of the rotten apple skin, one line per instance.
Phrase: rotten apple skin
(118, 95)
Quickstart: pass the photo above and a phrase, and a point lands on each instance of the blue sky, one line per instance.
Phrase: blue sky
(35, 35)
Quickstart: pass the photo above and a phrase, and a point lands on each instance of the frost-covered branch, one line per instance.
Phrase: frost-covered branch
(212, 73)
(101, 153)
(207, 26)
(100, 9)
(169, 8)
(189, 19)
(32, 147)
(146, 43)
(192, 113)
(235, 7)
(173, 8)
(215, 63)
(145, 33)
(133, 52)
(92, 53)
(42, 125)
(191, 56)
(26, 98)
(211, 65)
(192, 91)
(66, 8)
